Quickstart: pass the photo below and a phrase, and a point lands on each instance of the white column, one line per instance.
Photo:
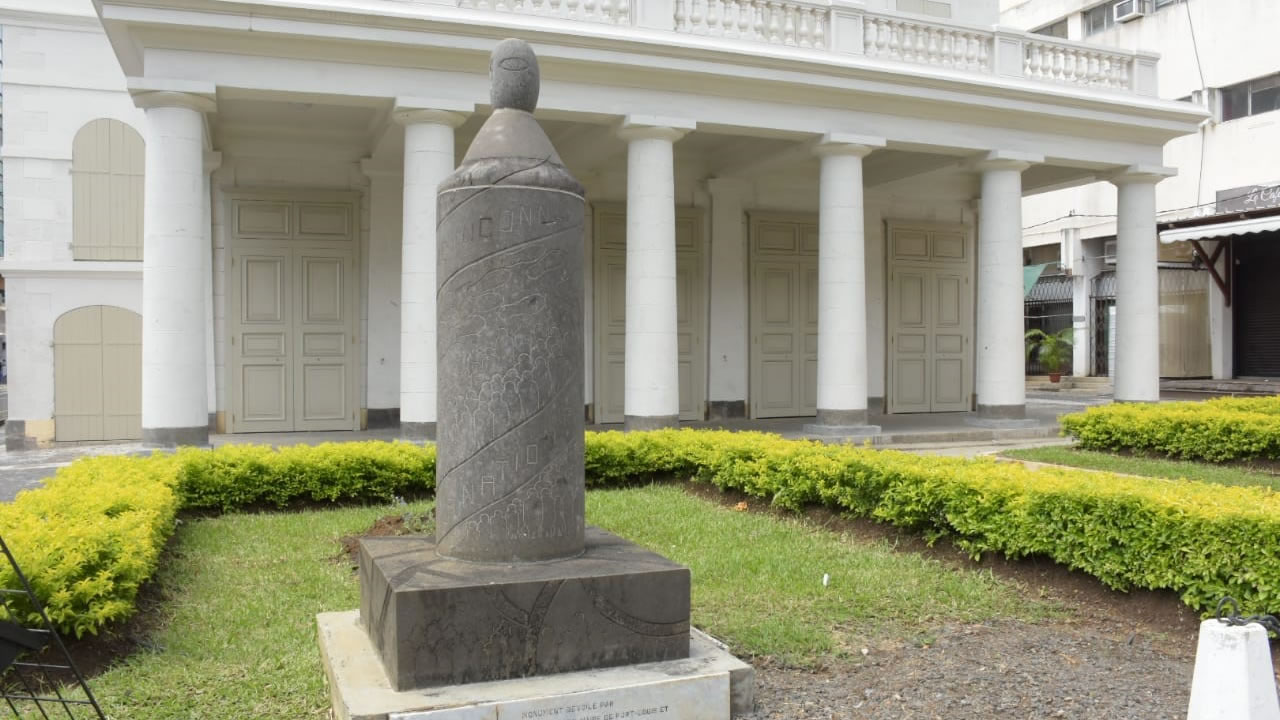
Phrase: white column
(651, 394)
(428, 159)
(1084, 265)
(175, 402)
(386, 215)
(842, 286)
(212, 161)
(1000, 356)
(727, 333)
(1137, 371)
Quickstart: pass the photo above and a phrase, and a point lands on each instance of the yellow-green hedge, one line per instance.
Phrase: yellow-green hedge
(1216, 430)
(93, 534)
(89, 538)
(240, 476)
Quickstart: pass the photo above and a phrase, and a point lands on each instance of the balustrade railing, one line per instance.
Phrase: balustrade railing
(911, 41)
(848, 28)
(771, 21)
(1091, 67)
(609, 12)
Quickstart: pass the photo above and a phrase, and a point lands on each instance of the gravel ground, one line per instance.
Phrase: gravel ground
(1002, 670)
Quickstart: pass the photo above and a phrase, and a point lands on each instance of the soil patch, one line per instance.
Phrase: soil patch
(1117, 655)
(385, 526)
(978, 672)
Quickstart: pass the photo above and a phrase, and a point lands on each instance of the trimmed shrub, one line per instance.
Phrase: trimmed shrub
(93, 534)
(90, 537)
(1217, 430)
(244, 476)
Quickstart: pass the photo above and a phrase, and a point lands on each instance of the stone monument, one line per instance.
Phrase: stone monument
(509, 477)
(513, 585)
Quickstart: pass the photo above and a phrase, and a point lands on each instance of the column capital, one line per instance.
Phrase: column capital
(212, 161)
(436, 111)
(847, 144)
(1142, 175)
(1006, 160)
(645, 127)
(150, 92)
(148, 99)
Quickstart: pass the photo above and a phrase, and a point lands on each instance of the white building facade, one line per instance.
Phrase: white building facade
(1218, 316)
(221, 216)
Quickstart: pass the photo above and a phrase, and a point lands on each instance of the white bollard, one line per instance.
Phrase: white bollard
(1233, 679)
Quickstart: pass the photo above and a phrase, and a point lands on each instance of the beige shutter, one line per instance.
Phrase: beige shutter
(107, 171)
(97, 361)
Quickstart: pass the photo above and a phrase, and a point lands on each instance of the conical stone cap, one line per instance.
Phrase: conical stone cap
(511, 148)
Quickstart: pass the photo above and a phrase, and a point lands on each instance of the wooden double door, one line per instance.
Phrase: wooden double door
(930, 321)
(292, 329)
(784, 316)
(610, 307)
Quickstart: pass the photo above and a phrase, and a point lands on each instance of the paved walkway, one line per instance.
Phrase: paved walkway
(942, 434)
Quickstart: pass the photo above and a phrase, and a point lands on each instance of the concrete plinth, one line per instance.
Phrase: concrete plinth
(1233, 679)
(440, 621)
(710, 684)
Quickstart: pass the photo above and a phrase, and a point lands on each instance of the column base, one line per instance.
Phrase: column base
(841, 423)
(418, 431)
(726, 409)
(382, 418)
(28, 434)
(1001, 417)
(632, 423)
(197, 436)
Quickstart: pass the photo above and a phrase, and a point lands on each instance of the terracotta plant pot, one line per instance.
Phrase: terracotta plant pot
(1055, 377)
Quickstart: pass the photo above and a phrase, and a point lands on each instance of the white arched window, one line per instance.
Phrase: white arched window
(106, 180)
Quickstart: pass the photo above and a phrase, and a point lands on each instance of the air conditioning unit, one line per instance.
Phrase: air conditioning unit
(1109, 252)
(1127, 10)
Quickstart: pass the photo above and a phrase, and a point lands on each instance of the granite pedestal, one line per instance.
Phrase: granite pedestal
(440, 621)
(710, 684)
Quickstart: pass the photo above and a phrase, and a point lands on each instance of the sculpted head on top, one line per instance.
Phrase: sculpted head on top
(513, 76)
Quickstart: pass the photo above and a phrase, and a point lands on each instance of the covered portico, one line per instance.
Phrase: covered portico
(786, 233)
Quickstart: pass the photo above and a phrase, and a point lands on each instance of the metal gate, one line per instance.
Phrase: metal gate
(1048, 308)
(1102, 298)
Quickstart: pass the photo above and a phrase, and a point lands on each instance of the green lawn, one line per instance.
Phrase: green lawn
(237, 634)
(1152, 467)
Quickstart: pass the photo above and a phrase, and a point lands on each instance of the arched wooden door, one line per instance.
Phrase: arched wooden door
(97, 386)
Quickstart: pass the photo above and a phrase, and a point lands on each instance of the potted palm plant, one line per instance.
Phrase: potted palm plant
(1052, 349)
